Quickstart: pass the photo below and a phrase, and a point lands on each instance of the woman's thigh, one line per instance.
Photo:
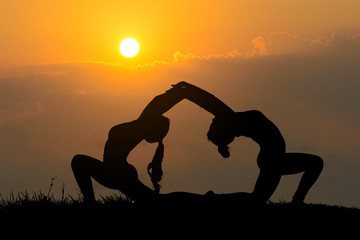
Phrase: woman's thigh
(108, 176)
(298, 162)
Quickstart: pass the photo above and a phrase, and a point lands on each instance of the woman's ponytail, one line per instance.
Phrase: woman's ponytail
(154, 168)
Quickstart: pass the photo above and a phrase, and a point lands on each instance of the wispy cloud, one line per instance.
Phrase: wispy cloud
(180, 57)
(259, 48)
(276, 43)
(17, 112)
(335, 38)
(284, 43)
(337, 43)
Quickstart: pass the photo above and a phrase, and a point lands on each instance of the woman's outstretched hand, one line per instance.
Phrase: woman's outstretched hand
(178, 87)
(181, 84)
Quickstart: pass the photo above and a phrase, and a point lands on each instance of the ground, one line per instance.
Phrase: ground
(117, 215)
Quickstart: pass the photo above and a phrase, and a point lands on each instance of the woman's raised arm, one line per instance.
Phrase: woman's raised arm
(162, 103)
(204, 99)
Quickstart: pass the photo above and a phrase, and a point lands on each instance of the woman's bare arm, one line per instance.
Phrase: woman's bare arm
(162, 103)
(204, 99)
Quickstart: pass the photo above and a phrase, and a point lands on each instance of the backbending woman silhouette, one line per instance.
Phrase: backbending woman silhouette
(115, 172)
(272, 160)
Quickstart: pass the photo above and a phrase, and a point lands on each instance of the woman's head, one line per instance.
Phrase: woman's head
(221, 133)
(156, 128)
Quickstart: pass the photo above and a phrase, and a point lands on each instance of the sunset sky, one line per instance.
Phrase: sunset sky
(64, 84)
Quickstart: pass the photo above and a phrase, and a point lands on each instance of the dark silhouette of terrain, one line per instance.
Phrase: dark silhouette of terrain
(70, 215)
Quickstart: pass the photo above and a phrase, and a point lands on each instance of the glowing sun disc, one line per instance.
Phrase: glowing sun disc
(129, 47)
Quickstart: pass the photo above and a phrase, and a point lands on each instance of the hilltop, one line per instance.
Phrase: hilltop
(116, 213)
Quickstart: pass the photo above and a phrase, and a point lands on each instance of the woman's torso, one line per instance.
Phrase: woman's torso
(266, 134)
(121, 140)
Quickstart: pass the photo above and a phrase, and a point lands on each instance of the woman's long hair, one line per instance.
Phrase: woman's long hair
(157, 128)
(154, 168)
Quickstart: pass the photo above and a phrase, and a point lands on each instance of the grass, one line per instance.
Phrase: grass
(69, 214)
(24, 202)
(42, 209)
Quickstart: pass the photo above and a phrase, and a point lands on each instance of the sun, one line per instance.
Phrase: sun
(129, 47)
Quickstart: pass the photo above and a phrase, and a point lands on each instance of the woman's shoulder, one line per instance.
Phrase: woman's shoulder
(251, 113)
(123, 128)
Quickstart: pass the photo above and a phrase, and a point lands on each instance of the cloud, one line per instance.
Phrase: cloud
(259, 47)
(285, 43)
(337, 43)
(335, 39)
(278, 43)
(273, 36)
(35, 71)
(18, 112)
(179, 57)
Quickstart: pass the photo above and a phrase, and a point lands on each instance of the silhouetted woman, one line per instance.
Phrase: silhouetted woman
(114, 171)
(272, 160)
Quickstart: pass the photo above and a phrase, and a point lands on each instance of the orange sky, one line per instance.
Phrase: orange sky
(64, 84)
(36, 32)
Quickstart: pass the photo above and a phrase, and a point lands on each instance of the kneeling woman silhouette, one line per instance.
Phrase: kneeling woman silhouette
(273, 160)
(115, 172)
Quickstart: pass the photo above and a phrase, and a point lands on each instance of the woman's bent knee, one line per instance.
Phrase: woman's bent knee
(318, 163)
(77, 161)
